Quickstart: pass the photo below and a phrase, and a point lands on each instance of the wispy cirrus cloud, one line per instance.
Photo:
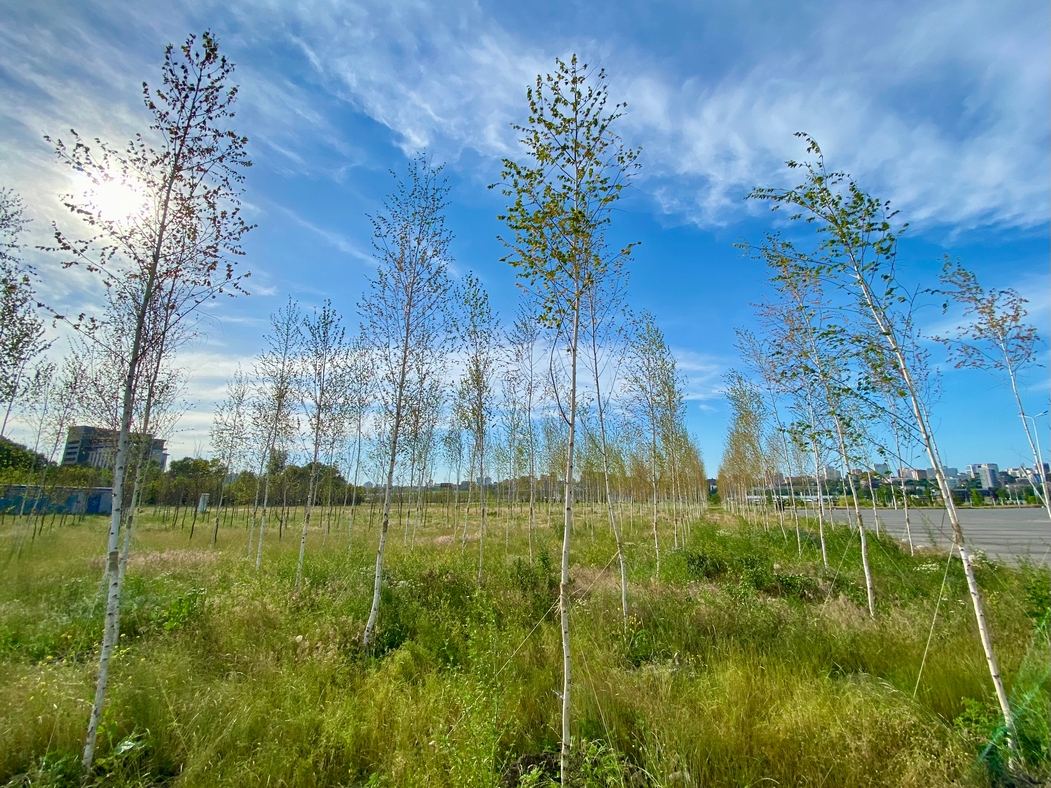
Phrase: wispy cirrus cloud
(938, 107)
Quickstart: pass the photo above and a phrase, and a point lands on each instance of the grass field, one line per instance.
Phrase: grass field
(743, 664)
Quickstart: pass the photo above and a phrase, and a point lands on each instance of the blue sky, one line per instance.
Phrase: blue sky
(940, 107)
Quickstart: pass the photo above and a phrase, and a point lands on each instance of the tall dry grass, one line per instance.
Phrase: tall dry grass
(745, 664)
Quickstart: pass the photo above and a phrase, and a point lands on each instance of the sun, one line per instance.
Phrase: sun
(115, 199)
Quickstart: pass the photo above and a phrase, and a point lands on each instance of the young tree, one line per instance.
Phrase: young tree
(741, 469)
(274, 422)
(857, 253)
(453, 451)
(40, 395)
(423, 408)
(651, 383)
(603, 307)
(359, 394)
(562, 197)
(21, 330)
(762, 365)
(996, 339)
(173, 255)
(478, 331)
(322, 374)
(812, 348)
(229, 435)
(512, 454)
(523, 340)
(102, 359)
(404, 315)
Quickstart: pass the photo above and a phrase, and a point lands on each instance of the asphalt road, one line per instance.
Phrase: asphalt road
(1006, 533)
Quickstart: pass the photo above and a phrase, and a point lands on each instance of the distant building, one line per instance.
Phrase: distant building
(881, 468)
(988, 473)
(828, 473)
(912, 474)
(1028, 475)
(950, 474)
(96, 447)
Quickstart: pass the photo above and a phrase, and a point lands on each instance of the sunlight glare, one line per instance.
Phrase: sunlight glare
(115, 199)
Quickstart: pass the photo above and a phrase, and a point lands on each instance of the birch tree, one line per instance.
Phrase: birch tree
(322, 365)
(811, 342)
(453, 451)
(229, 435)
(360, 390)
(755, 354)
(649, 366)
(523, 341)
(424, 410)
(404, 315)
(996, 338)
(21, 330)
(276, 371)
(741, 469)
(857, 252)
(478, 331)
(562, 196)
(179, 249)
(39, 405)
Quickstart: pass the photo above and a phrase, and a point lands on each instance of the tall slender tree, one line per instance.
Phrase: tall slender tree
(322, 365)
(179, 249)
(562, 195)
(857, 253)
(273, 419)
(478, 331)
(996, 339)
(649, 367)
(21, 329)
(404, 315)
(811, 342)
(360, 390)
(230, 435)
(523, 340)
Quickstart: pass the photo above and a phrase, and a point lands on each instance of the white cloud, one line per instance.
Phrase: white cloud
(336, 239)
(940, 108)
(873, 99)
(704, 373)
(442, 77)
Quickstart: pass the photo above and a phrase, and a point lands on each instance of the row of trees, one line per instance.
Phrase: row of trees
(431, 383)
(461, 432)
(575, 388)
(840, 372)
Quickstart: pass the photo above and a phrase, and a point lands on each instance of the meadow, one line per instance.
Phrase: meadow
(744, 663)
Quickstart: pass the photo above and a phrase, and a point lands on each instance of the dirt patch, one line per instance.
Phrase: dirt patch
(164, 559)
(454, 538)
(588, 580)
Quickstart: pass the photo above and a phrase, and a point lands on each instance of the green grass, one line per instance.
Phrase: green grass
(744, 664)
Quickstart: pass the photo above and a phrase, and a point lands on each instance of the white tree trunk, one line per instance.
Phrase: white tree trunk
(563, 588)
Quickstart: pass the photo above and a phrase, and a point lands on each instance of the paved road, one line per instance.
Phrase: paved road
(1006, 533)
